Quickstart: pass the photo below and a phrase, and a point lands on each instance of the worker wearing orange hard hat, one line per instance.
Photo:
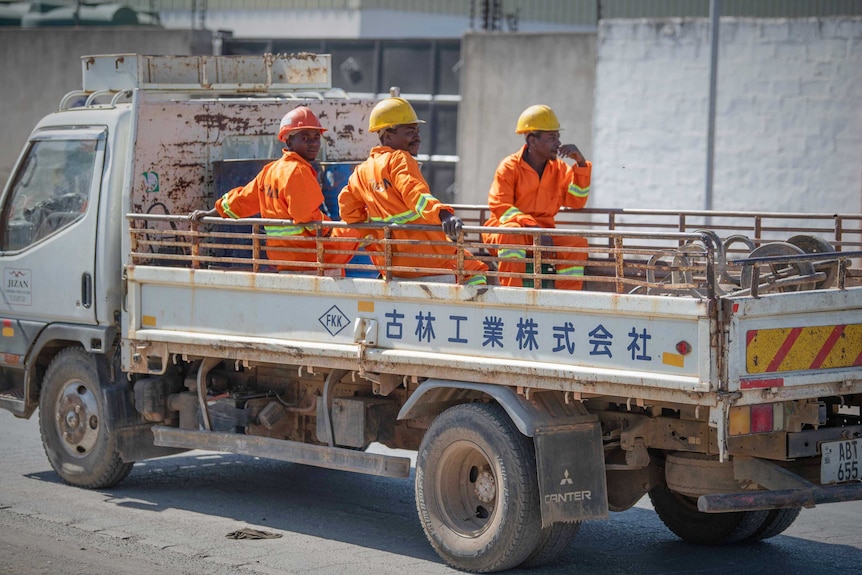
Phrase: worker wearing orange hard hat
(389, 188)
(288, 189)
(529, 188)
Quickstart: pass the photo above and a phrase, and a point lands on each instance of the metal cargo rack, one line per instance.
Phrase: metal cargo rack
(117, 75)
(647, 252)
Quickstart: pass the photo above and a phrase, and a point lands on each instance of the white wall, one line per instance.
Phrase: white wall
(788, 121)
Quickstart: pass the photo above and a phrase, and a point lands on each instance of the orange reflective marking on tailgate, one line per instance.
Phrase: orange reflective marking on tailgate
(803, 348)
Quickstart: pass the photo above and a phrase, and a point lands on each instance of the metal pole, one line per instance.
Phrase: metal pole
(714, 12)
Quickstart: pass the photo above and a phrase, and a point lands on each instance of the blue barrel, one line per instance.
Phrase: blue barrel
(335, 176)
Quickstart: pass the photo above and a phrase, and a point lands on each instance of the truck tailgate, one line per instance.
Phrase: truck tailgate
(812, 339)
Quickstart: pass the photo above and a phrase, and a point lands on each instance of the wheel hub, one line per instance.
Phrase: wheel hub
(486, 487)
(77, 417)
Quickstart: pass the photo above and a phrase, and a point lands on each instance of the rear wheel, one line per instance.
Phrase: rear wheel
(554, 540)
(72, 423)
(476, 489)
(776, 522)
(679, 513)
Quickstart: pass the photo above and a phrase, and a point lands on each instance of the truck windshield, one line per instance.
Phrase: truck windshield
(50, 192)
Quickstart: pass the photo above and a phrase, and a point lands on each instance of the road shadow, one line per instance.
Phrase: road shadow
(379, 513)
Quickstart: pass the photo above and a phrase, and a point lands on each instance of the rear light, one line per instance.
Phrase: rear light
(740, 420)
(758, 418)
(683, 348)
(761, 418)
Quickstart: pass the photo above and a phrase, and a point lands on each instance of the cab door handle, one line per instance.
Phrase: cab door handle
(86, 290)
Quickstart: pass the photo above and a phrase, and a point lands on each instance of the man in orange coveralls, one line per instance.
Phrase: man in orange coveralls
(288, 189)
(529, 188)
(389, 188)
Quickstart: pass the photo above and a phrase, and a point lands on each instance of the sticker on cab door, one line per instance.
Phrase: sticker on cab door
(16, 285)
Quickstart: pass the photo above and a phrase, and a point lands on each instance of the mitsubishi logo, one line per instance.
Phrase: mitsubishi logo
(566, 479)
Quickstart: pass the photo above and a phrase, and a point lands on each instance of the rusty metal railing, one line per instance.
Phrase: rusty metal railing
(625, 254)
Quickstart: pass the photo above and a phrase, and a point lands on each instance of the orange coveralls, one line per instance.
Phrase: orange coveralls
(389, 188)
(519, 198)
(286, 189)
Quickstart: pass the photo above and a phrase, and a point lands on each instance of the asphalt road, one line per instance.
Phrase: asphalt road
(172, 515)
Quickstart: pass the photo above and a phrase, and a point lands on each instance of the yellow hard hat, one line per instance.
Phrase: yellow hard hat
(538, 118)
(392, 112)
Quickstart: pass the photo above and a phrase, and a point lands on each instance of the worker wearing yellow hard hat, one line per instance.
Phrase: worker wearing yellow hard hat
(392, 112)
(389, 188)
(529, 188)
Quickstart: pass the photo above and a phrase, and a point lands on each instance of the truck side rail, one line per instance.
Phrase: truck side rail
(696, 263)
(843, 231)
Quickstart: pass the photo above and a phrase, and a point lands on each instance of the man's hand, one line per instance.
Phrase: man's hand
(571, 151)
(546, 241)
(452, 224)
(196, 215)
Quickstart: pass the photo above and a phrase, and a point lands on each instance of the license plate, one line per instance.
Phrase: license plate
(840, 461)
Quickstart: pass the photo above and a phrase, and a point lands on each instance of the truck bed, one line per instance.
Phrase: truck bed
(650, 325)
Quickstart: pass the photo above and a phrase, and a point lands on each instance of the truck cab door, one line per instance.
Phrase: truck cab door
(48, 229)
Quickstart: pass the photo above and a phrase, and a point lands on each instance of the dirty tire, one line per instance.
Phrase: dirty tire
(776, 522)
(476, 489)
(679, 513)
(72, 423)
(553, 541)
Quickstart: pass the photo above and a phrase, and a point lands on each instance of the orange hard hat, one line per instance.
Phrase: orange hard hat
(301, 118)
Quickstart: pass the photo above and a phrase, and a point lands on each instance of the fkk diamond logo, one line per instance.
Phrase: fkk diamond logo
(334, 320)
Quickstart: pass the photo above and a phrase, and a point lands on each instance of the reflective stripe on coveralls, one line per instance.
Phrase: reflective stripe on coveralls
(576, 271)
(512, 253)
(579, 192)
(286, 230)
(509, 214)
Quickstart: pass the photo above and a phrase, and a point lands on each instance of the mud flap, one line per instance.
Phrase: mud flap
(571, 467)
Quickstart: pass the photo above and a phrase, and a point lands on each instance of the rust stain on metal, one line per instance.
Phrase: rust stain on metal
(222, 122)
(348, 131)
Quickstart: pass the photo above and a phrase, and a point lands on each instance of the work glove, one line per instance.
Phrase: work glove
(452, 225)
(197, 215)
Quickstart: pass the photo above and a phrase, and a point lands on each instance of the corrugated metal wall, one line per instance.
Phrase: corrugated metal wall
(573, 12)
(738, 8)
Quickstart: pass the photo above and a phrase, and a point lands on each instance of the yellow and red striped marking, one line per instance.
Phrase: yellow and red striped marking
(803, 348)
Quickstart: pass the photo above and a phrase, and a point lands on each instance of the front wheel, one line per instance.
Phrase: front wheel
(476, 489)
(72, 423)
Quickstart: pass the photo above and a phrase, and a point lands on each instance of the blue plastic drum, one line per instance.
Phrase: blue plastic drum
(334, 178)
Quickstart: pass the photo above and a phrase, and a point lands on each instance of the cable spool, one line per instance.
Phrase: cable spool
(817, 245)
(773, 275)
